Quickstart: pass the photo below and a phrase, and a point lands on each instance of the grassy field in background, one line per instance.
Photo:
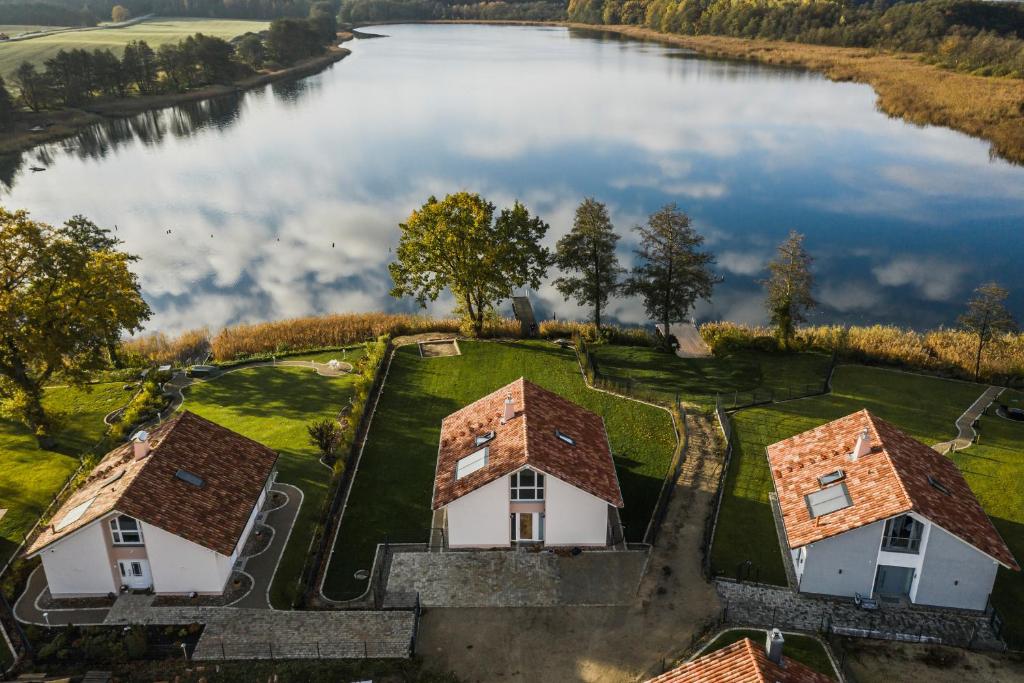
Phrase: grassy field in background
(155, 31)
(391, 493)
(273, 405)
(17, 29)
(924, 407)
(699, 379)
(32, 476)
(804, 649)
(994, 467)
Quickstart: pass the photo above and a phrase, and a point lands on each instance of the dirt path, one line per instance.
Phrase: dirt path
(874, 661)
(597, 643)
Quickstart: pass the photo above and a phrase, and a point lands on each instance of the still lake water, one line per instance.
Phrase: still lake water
(255, 189)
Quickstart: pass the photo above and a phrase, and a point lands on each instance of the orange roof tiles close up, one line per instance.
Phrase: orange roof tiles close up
(527, 439)
(742, 662)
(896, 475)
(234, 470)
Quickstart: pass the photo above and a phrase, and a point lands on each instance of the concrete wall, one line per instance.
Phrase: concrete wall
(180, 566)
(78, 565)
(844, 564)
(573, 517)
(480, 519)
(954, 574)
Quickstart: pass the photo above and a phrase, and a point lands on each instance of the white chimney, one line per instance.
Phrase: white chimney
(773, 645)
(141, 444)
(510, 410)
(862, 447)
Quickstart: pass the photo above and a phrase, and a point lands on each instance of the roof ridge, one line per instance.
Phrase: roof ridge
(753, 654)
(888, 459)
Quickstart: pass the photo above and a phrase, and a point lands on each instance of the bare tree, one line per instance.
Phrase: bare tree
(987, 318)
(789, 288)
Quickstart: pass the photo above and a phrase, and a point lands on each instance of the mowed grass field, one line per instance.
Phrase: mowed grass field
(924, 407)
(156, 32)
(273, 405)
(31, 476)
(733, 376)
(391, 493)
(994, 467)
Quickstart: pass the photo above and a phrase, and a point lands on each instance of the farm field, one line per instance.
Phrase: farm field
(31, 475)
(698, 380)
(273, 405)
(390, 496)
(156, 32)
(924, 407)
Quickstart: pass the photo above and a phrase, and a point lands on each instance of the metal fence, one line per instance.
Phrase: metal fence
(668, 486)
(712, 521)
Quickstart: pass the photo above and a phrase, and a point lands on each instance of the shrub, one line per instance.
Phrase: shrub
(135, 643)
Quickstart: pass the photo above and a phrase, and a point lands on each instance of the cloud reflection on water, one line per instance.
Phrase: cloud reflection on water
(255, 188)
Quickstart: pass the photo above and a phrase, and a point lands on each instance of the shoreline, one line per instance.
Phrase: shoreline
(985, 107)
(64, 123)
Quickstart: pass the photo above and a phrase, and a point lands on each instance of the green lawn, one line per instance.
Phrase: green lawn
(698, 380)
(924, 407)
(803, 649)
(32, 476)
(994, 468)
(273, 406)
(390, 497)
(155, 31)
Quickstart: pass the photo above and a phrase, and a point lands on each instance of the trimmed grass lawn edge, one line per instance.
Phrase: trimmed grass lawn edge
(347, 485)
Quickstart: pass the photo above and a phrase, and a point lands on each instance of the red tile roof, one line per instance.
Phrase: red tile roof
(527, 439)
(890, 480)
(742, 662)
(234, 470)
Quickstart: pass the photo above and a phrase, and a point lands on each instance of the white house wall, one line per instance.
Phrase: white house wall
(954, 574)
(843, 564)
(481, 518)
(573, 516)
(180, 566)
(78, 565)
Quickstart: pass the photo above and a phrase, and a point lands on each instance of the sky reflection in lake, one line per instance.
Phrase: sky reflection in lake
(256, 188)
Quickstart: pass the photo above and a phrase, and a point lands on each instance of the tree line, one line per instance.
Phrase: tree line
(73, 77)
(366, 11)
(91, 12)
(969, 35)
(71, 295)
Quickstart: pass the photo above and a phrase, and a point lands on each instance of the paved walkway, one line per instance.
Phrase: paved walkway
(767, 606)
(28, 611)
(691, 344)
(239, 633)
(517, 578)
(263, 566)
(965, 423)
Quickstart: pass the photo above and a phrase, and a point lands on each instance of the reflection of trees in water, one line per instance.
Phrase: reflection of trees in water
(10, 164)
(294, 90)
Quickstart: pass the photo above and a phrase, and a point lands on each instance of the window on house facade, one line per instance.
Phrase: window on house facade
(902, 535)
(125, 531)
(527, 485)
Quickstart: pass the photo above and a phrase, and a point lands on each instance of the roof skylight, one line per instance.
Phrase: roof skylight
(831, 477)
(73, 515)
(471, 463)
(484, 438)
(565, 437)
(828, 500)
(938, 485)
(112, 478)
(189, 478)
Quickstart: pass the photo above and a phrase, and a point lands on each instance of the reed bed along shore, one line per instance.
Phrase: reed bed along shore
(946, 352)
(908, 88)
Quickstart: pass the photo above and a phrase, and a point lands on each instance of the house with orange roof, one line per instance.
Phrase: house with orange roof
(745, 662)
(170, 511)
(865, 509)
(523, 465)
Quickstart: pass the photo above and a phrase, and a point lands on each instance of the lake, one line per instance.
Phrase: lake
(285, 201)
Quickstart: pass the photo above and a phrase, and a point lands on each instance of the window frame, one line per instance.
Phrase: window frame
(117, 533)
(516, 489)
